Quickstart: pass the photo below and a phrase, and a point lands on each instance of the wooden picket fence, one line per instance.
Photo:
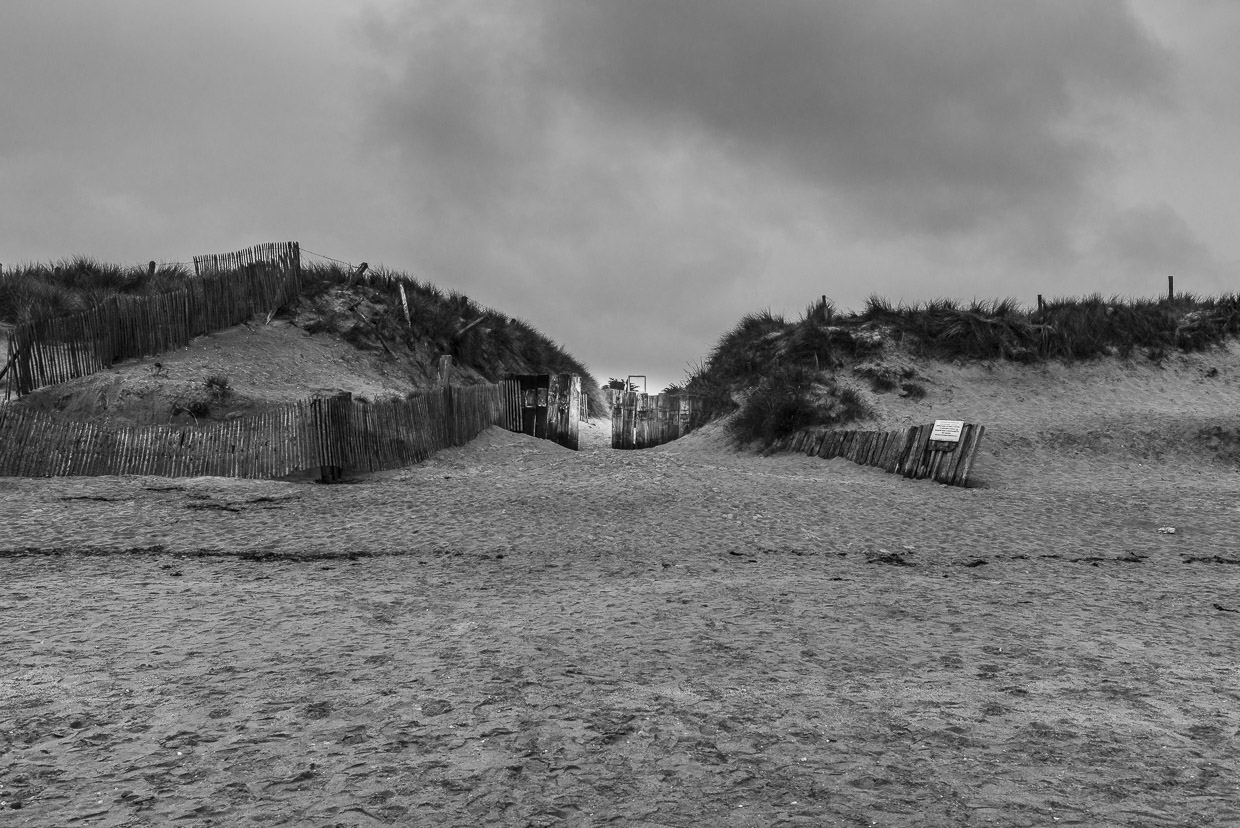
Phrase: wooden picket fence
(908, 452)
(334, 436)
(283, 256)
(229, 288)
(645, 420)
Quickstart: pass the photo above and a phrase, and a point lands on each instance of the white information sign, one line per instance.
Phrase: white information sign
(947, 430)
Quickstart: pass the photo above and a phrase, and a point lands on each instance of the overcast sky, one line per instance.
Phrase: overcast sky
(632, 176)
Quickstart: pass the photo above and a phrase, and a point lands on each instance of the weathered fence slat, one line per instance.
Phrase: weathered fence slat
(908, 452)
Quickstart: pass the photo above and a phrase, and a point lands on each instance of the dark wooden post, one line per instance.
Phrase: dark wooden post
(449, 407)
(322, 445)
(1041, 304)
(332, 418)
(1170, 288)
(615, 399)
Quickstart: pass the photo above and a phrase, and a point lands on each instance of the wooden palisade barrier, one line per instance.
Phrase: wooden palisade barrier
(645, 420)
(334, 436)
(549, 407)
(908, 452)
(229, 288)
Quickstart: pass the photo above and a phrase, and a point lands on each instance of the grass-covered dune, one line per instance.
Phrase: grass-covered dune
(366, 311)
(41, 290)
(784, 375)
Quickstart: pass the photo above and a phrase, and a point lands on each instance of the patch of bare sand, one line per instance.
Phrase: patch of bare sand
(517, 634)
(264, 365)
(1182, 411)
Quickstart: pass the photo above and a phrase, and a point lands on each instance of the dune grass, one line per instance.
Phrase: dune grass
(440, 322)
(448, 322)
(37, 291)
(1065, 328)
(780, 374)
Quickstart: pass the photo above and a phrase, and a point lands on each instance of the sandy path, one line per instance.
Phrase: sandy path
(682, 636)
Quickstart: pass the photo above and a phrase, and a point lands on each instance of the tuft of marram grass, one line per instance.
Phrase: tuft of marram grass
(32, 291)
(791, 399)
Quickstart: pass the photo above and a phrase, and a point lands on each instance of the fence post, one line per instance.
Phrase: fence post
(1170, 288)
(404, 303)
(332, 422)
(617, 417)
(564, 410)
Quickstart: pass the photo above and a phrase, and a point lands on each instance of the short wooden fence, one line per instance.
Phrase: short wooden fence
(334, 435)
(643, 420)
(908, 452)
(229, 289)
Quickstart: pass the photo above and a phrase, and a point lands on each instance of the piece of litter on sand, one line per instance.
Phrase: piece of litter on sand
(1166, 530)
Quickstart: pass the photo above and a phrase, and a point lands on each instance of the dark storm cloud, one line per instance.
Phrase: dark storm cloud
(630, 175)
(946, 117)
(936, 116)
(643, 158)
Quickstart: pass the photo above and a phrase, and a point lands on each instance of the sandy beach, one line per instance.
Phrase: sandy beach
(517, 634)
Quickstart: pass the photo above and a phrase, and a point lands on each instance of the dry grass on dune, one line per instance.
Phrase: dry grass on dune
(792, 374)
